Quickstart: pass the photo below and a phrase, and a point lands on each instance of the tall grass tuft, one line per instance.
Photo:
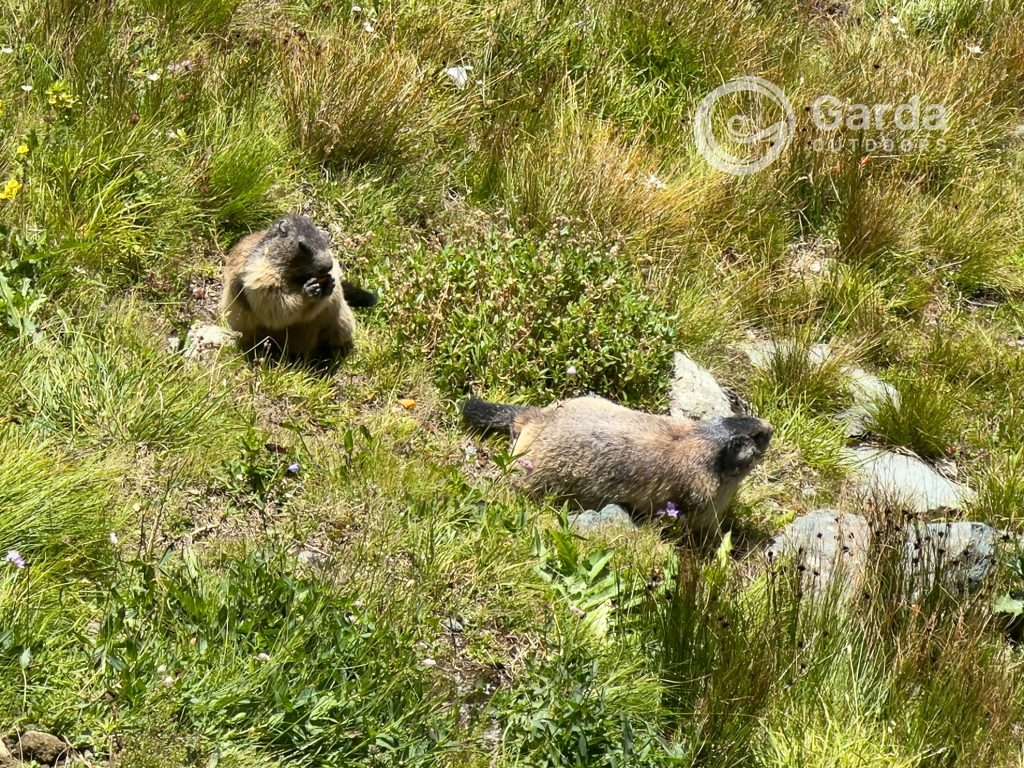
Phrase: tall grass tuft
(577, 168)
(355, 98)
(924, 418)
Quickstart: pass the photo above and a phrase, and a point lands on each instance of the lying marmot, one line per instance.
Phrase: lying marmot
(595, 452)
(279, 284)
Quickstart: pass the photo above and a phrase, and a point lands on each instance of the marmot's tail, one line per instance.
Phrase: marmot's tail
(491, 417)
(359, 297)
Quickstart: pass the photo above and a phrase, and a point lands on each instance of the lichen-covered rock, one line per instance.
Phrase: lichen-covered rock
(695, 394)
(611, 515)
(825, 545)
(206, 340)
(904, 481)
(962, 554)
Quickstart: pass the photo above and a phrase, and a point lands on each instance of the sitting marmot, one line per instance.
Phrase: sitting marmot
(284, 284)
(595, 452)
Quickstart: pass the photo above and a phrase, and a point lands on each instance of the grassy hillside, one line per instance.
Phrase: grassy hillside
(265, 566)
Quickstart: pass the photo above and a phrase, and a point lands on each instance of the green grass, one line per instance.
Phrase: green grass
(267, 566)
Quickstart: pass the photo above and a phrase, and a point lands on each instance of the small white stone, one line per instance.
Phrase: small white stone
(153, 77)
(168, 681)
(653, 182)
(428, 663)
(264, 657)
(459, 76)
(205, 339)
(6, 50)
(974, 49)
(570, 371)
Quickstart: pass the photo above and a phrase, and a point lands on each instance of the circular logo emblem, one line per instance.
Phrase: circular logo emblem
(728, 125)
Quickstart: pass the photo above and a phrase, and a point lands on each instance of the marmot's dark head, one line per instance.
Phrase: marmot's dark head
(302, 252)
(741, 444)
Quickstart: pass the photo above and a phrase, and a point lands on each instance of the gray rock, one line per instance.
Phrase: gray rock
(761, 351)
(611, 515)
(963, 554)
(904, 481)
(868, 391)
(695, 394)
(44, 748)
(825, 545)
(205, 341)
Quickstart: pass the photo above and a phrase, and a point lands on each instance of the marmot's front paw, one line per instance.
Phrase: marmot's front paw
(313, 288)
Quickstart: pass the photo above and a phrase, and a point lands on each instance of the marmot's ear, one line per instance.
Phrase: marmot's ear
(281, 228)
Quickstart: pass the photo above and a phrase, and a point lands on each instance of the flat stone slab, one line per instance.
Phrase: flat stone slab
(904, 481)
(825, 544)
(205, 340)
(611, 515)
(761, 351)
(695, 394)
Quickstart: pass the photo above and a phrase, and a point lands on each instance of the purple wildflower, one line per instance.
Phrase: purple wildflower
(670, 511)
(293, 469)
(14, 558)
(527, 465)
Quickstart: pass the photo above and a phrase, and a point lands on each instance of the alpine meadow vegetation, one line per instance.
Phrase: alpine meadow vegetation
(220, 562)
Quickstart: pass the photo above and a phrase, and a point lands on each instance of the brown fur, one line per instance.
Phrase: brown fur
(262, 300)
(595, 452)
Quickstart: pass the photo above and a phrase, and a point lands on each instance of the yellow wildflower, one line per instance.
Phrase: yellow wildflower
(22, 149)
(10, 189)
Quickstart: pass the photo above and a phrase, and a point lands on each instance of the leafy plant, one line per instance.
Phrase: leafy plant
(540, 319)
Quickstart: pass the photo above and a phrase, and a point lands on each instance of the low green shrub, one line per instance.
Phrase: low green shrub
(554, 318)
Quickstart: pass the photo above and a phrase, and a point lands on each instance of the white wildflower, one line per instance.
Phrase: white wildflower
(6, 50)
(27, 88)
(153, 77)
(974, 49)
